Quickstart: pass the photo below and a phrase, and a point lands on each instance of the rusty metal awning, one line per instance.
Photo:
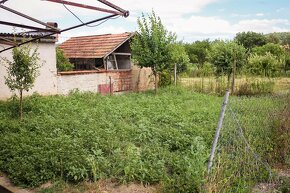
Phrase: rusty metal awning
(51, 29)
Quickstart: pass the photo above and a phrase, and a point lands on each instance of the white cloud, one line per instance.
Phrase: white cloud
(180, 16)
(165, 7)
(260, 14)
(263, 25)
(197, 27)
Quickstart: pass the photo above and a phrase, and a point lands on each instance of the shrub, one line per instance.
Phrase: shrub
(62, 62)
(265, 65)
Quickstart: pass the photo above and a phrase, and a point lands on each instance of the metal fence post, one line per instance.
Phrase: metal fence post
(217, 132)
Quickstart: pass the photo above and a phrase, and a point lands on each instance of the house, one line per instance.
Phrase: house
(102, 64)
(99, 52)
(46, 82)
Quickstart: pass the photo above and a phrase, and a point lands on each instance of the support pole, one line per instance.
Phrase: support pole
(28, 17)
(217, 132)
(111, 90)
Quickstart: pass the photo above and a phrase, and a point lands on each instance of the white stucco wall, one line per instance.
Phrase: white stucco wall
(46, 82)
(81, 82)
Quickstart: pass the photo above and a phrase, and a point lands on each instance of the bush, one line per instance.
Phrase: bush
(264, 65)
(62, 62)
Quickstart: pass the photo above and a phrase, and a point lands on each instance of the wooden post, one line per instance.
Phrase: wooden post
(217, 132)
(234, 74)
(116, 63)
(111, 90)
(175, 74)
(21, 104)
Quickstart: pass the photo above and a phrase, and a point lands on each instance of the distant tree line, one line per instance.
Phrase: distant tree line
(249, 53)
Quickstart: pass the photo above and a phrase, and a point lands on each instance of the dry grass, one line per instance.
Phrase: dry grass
(282, 84)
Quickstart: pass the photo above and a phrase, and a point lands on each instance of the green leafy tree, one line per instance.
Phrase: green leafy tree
(151, 45)
(62, 62)
(22, 71)
(275, 49)
(272, 38)
(179, 57)
(266, 65)
(228, 57)
(250, 39)
(198, 52)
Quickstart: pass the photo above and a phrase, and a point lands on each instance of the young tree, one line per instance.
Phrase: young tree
(22, 71)
(150, 46)
(179, 59)
(228, 58)
(198, 52)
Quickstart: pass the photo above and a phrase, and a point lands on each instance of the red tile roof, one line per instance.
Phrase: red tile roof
(97, 46)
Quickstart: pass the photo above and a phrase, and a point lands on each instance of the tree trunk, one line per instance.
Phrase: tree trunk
(175, 74)
(21, 104)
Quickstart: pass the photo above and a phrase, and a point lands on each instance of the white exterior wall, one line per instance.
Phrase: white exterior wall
(81, 82)
(46, 82)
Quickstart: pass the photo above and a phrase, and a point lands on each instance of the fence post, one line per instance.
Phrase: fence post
(111, 89)
(217, 132)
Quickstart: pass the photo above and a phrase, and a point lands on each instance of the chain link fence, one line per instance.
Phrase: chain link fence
(247, 146)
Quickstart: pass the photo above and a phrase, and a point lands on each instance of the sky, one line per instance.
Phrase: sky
(191, 20)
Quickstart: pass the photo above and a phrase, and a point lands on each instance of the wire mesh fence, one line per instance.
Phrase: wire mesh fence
(247, 144)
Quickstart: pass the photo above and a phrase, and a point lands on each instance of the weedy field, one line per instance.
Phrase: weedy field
(243, 85)
(162, 139)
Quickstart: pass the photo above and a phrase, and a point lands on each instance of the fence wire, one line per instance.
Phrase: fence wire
(245, 145)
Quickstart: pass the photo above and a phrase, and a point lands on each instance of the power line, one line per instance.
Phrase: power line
(83, 22)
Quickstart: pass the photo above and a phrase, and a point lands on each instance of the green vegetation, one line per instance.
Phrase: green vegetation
(198, 52)
(250, 55)
(62, 62)
(22, 71)
(164, 138)
(151, 46)
(251, 39)
(282, 38)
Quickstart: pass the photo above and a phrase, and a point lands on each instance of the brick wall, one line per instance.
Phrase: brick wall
(95, 81)
(121, 80)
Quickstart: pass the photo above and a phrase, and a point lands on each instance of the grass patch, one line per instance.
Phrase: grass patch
(163, 139)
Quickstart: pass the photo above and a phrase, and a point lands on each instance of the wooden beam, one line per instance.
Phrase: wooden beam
(116, 63)
(121, 53)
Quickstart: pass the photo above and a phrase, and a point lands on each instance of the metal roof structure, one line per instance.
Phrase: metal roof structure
(96, 46)
(52, 28)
